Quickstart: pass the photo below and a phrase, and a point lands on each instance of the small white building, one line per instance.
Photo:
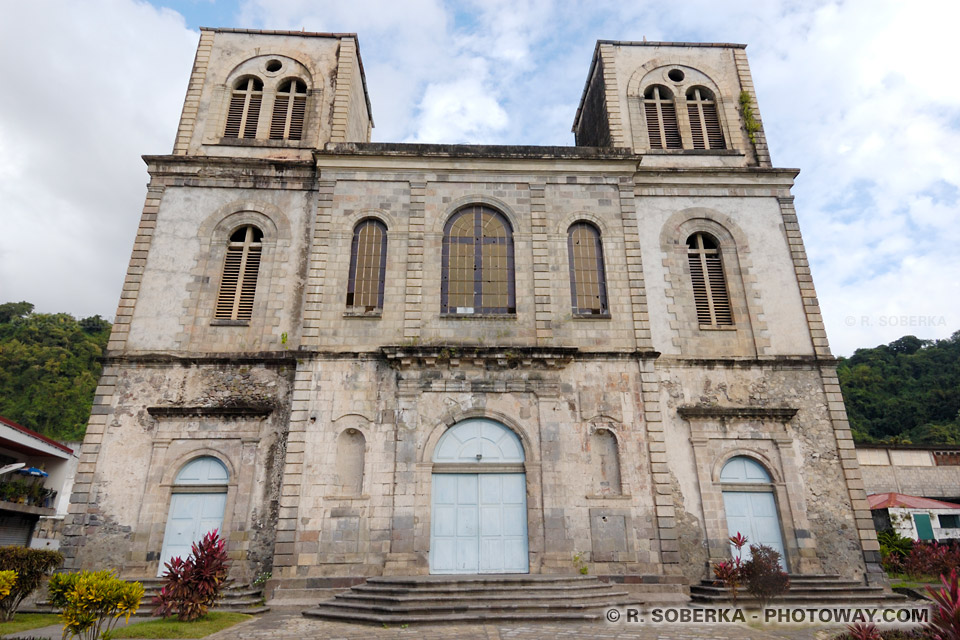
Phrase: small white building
(915, 517)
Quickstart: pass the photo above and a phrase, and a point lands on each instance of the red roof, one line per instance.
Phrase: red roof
(19, 427)
(887, 500)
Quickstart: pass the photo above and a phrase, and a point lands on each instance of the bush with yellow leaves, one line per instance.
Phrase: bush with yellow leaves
(7, 580)
(92, 602)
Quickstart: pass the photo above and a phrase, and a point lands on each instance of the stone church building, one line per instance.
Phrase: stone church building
(360, 359)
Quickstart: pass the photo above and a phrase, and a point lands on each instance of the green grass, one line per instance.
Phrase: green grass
(173, 628)
(24, 621)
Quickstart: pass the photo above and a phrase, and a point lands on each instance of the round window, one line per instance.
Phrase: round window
(274, 65)
(676, 75)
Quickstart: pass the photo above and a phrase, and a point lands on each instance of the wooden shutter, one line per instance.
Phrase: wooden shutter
(253, 116)
(699, 289)
(297, 117)
(279, 122)
(714, 132)
(653, 125)
(229, 282)
(248, 287)
(670, 128)
(718, 290)
(696, 131)
(234, 116)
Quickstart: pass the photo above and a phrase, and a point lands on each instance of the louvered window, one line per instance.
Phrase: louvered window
(709, 285)
(244, 112)
(704, 120)
(288, 111)
(477, 263)
(588, 288)
(240, 268)
(661, 114)
(368, 266)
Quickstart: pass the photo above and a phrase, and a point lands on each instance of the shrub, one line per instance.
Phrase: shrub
(7, 580)
(729, 572)
(945, 623)
(892, 543)
(30, 565)
(762, 575)
(195, 584)
(92, 602)
(927, 559)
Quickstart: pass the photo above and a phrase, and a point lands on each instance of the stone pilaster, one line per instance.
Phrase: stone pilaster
(631, 244)
(413, 301)
(801, 267)
(746, 84)
(541, 264)
(317, 265)
(191, 104)
(341, 98)
(612, 96)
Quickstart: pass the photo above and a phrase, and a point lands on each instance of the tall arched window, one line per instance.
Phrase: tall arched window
(244, 113)
(368, 265)
(704, 120)
(588, 288)
(288, 111)
(240, 268)
(478, 275)
(661, 114)
(709, 285)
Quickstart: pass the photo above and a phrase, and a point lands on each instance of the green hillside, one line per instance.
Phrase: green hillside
(907, 391)
(49, 369)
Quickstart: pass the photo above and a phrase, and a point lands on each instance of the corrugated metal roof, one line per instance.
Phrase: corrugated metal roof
(887, 500)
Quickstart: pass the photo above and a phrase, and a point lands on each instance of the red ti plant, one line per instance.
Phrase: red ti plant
(730, 572)
(194, 585)
(945, 624)
(860, 631)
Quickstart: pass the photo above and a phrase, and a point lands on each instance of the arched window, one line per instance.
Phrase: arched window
(288, 111)
(244, 113)
(240, 268)
(709, 285)
(350, 452)
(477, 263)
(588, 287)
(704, 121)
(205, 470)
(368, 265)
(661, 116)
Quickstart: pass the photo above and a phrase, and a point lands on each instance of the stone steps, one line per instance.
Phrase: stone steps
(804, 589)
(439, 599)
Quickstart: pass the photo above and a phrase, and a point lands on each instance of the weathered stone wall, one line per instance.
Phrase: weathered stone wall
(125, 512)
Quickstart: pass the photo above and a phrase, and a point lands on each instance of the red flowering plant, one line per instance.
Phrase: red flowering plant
(730, 572)
(195, 584)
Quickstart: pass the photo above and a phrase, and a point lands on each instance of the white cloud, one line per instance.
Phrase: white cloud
(858, 94)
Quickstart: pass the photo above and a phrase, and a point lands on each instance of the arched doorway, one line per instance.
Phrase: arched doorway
(196, 506)
(479, 501)
(750, 506)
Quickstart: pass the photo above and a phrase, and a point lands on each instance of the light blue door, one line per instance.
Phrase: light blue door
(192, 515)
(479, 523)
(751, 513)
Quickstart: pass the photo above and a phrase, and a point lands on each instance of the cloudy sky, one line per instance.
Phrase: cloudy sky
(861, 95)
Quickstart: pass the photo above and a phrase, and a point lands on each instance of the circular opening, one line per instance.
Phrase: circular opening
(274, 65)
(676, 75)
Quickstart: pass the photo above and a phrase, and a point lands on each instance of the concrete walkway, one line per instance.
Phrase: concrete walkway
(291, 625)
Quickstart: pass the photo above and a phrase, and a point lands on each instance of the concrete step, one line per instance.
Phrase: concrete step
(472, 598)
(708, 590)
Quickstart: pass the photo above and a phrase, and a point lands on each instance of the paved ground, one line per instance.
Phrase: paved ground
(291, 625)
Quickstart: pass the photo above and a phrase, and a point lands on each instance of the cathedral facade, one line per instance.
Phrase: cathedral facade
(358, 359)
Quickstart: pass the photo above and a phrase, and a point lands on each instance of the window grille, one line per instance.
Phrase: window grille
(240, 269)
(289, 110)
(704, 121)
(368, 265)
(244, 112)
(709, 285)
(588, 287)
(661, 116)
(477, 263)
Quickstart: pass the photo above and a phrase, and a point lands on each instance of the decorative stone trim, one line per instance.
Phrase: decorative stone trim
(341, 96)
(801, 266)
(542, 281)
(191, 105)
(778, 414)
(485, 357)
(240, 411)
(611, 99)
(634, 260)
(138, 262)
(746, 83)
(413, 305)
(317, 263)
